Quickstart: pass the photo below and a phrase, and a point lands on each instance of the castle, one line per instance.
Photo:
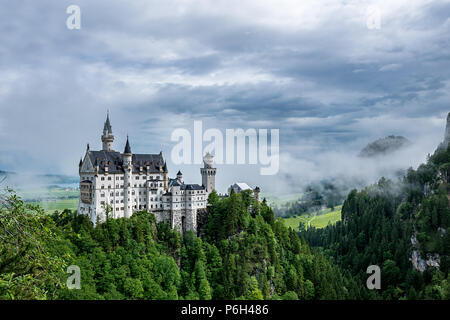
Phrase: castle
(118, 184)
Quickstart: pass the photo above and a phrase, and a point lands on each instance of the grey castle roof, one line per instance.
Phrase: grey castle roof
(192, 187)
(127, 147)
(176, 183)
(107, 126)
(179, 173)
(114, 161)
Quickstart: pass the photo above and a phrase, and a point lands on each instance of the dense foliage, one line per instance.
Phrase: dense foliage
(389, 223)
(243, 253)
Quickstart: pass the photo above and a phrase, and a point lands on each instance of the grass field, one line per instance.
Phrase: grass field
(59, 204)
(320, 220)
(51, 199)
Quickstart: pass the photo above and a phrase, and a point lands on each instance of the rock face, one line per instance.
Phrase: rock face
(447, 134)
(385, 146)
(420, 264)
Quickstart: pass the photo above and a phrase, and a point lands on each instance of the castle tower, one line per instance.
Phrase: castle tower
(208, 173)
(166, 176)
(256, 193)
(127, 166)
(107, 137)
(180, 177)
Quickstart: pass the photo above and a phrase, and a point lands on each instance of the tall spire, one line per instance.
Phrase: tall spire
(107, 137)
(127, 147)
(107, 127)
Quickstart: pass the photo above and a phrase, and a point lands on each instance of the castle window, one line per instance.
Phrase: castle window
(103, 178)
(109, 178)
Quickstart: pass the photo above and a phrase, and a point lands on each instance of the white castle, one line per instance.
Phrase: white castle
(119, 184)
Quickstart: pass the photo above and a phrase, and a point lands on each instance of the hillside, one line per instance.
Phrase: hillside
(403, 227)
(384, 146)
(243, 253)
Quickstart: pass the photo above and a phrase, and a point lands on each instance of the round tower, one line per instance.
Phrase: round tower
(107, 137)
(208, 173)
(256, 193)
(128, 171)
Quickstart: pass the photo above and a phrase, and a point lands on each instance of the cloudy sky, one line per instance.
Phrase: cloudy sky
(319, 71)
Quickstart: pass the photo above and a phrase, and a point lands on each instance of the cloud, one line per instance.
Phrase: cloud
(391, 67)
(312, 69)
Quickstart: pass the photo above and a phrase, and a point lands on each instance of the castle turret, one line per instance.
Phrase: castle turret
(256, 193)
(180, 177)
(166, 176)
(127, 166)
(107, 137)
(208, 173)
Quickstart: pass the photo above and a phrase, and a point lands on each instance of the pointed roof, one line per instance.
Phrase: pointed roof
(107, 126)
(81, 162)
(179, 173)
(127, 147)
(165, 167)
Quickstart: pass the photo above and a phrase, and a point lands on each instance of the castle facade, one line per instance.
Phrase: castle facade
(116, 185)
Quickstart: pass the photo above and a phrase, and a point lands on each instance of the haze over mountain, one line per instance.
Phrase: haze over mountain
(384, 146)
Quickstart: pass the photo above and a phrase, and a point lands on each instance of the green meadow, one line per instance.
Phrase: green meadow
(317, 220)
(51, 206)
(51, 199)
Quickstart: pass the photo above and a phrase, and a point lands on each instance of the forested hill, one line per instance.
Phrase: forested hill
(384, 146)
(403, 227)
(243, 253)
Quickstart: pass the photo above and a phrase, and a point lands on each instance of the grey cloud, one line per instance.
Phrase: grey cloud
(160, 65)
